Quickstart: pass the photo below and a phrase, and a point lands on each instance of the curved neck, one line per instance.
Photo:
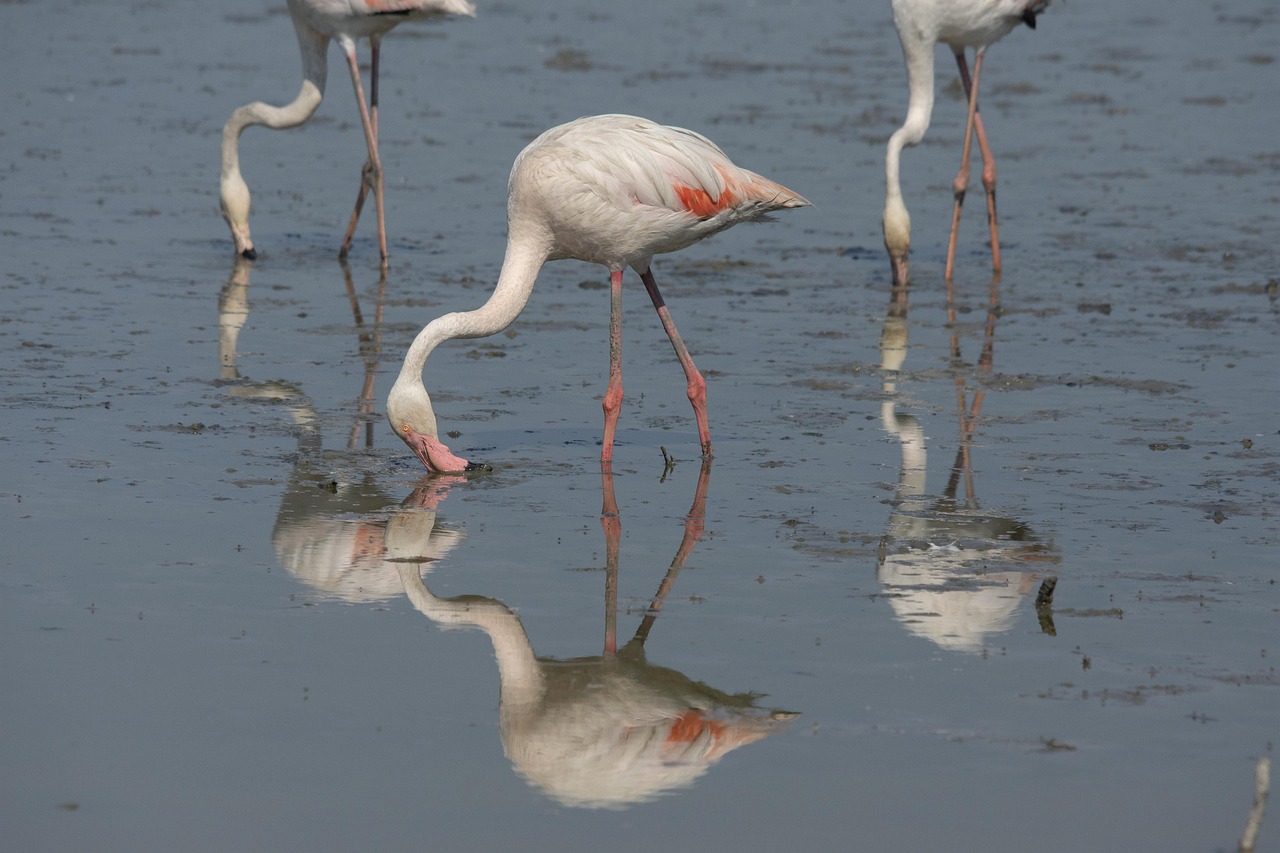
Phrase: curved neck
(917, 50)
(518, 671)
(312, 46)
(524, 259)
(918, 53)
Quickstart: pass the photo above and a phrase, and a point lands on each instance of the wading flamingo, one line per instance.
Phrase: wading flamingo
(316, 22)
(959, 24)
(613, 190)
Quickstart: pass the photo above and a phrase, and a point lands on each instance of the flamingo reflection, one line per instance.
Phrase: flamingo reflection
(233, 313)
(605, 731)
(602, 731)
(333, 537)
(327, 531)
(937, 556)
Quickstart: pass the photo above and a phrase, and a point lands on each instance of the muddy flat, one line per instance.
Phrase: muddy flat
(976, 567)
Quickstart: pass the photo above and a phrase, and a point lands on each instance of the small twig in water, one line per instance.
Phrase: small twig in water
(668, 464)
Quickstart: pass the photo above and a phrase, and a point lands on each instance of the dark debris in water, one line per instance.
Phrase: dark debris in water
(1090, 613)
(569, 60)
(195, 428)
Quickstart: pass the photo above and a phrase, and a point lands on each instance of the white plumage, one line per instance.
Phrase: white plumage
(613, 190)
(316, 22)
(959, 24)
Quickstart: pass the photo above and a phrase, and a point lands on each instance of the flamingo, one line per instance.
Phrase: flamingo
(604, 731)
(959, 24)
(613, 190)
(316, 22)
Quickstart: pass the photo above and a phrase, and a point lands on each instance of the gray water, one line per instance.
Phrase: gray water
(992, 569)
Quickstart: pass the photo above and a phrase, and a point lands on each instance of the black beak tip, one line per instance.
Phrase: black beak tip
(1029, 18)
(251, 254)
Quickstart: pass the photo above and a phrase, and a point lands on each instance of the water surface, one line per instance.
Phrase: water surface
(973, 569)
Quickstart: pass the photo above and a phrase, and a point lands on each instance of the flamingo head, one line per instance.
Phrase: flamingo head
(412, 418)
(897, 236)
(235, 210)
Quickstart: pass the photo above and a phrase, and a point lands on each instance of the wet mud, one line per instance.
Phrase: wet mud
(976, 565)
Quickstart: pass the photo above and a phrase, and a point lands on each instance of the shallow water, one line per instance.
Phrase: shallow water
(973, 571)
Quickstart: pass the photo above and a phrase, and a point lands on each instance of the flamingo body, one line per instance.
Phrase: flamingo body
(961, 25)
(316, 22)
(613, 190)
(362, 19)
(617, 190)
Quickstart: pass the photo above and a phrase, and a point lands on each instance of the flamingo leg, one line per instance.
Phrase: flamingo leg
(613, 394)
(371, 176)
(611, 522)
(375, 55)
(973, 127)
(988, 170)
(697, 385)
(355, 213)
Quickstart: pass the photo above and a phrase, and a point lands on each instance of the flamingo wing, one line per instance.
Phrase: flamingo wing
(657, 166)
(671, 168)
(420, 8)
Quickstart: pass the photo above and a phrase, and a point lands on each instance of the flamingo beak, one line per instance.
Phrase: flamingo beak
(435, 456)
(900, 271)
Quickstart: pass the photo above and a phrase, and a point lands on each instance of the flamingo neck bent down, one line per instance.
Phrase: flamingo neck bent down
(408, 405)
(918, 53)
(233, 191)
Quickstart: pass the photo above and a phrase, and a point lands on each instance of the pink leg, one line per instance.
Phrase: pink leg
(973, 126)
(371, 176)
(611, 521)
(613, 394)
(366, 179)
(697, 385)
(989, 184)
(961, 182)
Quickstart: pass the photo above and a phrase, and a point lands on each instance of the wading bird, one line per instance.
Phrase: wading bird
(959, 24)
(613, 190)
(316, 22)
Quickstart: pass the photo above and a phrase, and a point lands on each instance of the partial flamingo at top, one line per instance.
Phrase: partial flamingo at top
(613, 190)
(316, 22)
(959, 24)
